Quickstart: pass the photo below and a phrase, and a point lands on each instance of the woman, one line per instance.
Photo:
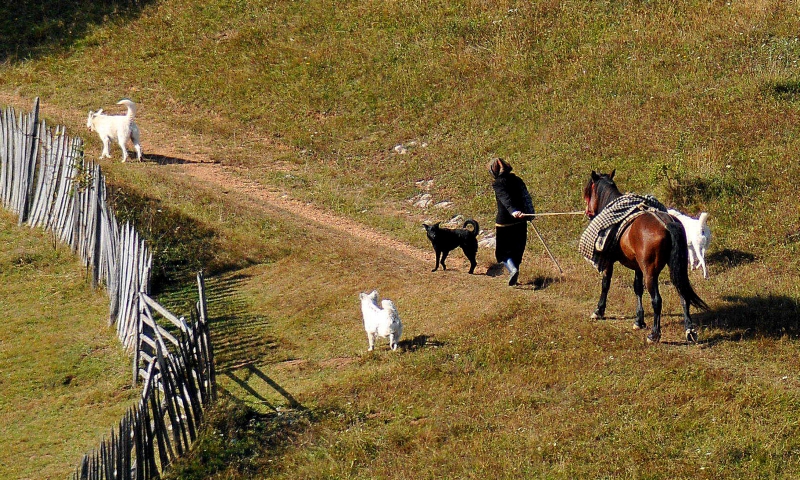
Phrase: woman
(513, 203)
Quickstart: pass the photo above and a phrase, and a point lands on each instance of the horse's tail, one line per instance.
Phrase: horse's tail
(679, 266)
(475, 228)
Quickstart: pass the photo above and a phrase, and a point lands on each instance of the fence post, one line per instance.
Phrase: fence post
(76, 211)
(29, 144)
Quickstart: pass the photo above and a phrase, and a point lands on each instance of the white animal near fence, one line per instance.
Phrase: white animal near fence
(116, 127)
(698, 238)
(380, 320)
(46, 181)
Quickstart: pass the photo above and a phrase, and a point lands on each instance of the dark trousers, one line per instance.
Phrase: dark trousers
(511, 240)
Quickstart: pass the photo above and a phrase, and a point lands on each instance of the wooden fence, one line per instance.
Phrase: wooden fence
(178, 384)
(47, 182)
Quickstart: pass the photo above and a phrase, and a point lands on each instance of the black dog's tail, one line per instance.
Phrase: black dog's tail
(475, 228)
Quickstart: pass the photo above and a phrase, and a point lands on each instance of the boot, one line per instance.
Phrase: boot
(513, 270)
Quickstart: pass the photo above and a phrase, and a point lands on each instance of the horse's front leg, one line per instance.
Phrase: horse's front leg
(638, 289)
(601, 304)
(655, 298)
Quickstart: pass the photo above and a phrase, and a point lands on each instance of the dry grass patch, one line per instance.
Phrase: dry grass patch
(65, 378)
(695, 102)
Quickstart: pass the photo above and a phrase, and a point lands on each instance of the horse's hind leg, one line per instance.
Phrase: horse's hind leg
(655, 298)
(601, 304)
(691, 333)
(638, 289)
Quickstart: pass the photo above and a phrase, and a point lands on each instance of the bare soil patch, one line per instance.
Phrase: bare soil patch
(188, 154)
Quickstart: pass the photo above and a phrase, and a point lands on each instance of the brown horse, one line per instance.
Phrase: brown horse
(650, 242)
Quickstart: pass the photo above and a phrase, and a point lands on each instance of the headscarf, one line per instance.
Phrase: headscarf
(498, 167)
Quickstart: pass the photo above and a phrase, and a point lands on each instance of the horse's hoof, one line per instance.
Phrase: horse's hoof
(639, 326)
(596, 316)
(653, 338)
(691, 335)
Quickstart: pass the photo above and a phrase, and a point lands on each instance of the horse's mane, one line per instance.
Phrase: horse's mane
(605, 189)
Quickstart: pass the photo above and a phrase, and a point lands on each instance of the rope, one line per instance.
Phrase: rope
(552, 213)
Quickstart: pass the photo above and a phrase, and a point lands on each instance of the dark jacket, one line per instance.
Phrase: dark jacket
(512, 195)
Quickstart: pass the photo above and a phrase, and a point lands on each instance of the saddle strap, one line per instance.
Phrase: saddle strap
(662, 217)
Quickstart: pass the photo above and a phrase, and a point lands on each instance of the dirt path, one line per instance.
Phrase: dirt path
(195, 161)
(227, 178)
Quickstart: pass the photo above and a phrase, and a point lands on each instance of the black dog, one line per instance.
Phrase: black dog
(446, 239)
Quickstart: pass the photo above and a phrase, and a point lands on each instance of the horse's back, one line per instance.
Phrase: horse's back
(646, 242)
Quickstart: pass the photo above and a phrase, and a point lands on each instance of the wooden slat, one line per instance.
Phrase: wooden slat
(178, 322)
(37, 171)
(158, 332)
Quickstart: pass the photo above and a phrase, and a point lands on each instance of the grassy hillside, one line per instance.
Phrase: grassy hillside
(706, 93)
(695, 102)
(65, 378)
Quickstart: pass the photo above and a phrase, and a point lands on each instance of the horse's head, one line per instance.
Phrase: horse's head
(600, 190)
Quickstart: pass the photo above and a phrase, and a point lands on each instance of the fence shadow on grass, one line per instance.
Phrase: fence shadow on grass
(244, 378)
(238, 434)
(181, 244)
(749, 317)
(237, 334)
(29, 29)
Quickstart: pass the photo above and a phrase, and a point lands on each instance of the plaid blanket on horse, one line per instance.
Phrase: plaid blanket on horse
(603, 232)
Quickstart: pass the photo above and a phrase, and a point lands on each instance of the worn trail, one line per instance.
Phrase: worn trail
(159, 141)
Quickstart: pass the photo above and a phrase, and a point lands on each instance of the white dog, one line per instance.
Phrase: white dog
(116, 127)
(380, 321)
(698, 236)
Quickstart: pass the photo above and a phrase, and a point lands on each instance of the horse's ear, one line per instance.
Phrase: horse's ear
(611, 176)
(595, 176)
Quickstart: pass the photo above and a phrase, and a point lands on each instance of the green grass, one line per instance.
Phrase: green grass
(510, 381)
(324, 93)
(65, 378)
(694, 102)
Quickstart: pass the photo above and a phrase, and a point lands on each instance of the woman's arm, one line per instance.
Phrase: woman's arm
(501, 191)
